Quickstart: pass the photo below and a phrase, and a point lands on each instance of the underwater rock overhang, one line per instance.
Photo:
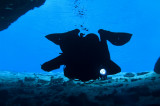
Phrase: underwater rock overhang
(11, 10)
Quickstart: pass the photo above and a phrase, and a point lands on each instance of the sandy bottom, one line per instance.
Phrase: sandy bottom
(53, 89)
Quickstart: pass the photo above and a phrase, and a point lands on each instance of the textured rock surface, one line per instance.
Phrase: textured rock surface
(11, 10)
(53, 89)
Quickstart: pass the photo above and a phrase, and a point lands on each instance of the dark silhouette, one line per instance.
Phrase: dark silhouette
(84, 57)
(157, 66)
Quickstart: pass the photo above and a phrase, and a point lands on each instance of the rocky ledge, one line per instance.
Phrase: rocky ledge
(11, 10)
(53, 89)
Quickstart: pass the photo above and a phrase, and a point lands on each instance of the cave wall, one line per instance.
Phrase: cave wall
(11, 10)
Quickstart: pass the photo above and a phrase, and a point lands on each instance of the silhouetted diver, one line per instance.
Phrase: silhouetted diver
(85, 57)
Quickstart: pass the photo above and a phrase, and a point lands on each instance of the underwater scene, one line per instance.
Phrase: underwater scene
(79, 53)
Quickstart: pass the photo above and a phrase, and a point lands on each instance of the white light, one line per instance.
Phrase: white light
(102, 71)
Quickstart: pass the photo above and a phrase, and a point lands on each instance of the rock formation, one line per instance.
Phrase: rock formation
(53, 89)
(11, 10)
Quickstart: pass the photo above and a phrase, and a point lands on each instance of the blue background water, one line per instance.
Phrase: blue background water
(23, 46)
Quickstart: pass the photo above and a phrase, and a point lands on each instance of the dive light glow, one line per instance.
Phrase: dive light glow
(102, 71)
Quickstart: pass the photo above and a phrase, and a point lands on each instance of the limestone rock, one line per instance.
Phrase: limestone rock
(129, 75)
(53, 89)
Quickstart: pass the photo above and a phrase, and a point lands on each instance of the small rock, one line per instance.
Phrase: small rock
(89, 82)
(132, 80)
(67, 83)
(129, 75)
(108, 78)
(140, 78)
(142, 73)
(125, 80)
(153, 78)
(58, 80)
(121, 78)
(109, 81)
(29, 79)
(42, 81)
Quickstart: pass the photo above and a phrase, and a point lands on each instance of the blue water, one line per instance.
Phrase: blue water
(23, 46)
